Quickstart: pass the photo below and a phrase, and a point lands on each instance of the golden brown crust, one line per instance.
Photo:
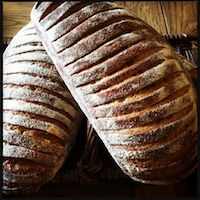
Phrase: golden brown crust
(40, 116)
(129, 83)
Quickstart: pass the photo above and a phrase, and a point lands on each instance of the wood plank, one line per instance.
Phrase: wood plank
(165, 17)
(15, 19)
(15, 16)
(149, 11)
(180, 17)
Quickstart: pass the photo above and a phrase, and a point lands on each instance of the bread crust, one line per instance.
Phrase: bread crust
(40, 117)
(131, 86)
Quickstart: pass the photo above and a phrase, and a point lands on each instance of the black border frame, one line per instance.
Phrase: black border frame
(82, 198)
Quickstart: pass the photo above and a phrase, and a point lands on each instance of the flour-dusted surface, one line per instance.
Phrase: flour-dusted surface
(40, 118)
(130, 84)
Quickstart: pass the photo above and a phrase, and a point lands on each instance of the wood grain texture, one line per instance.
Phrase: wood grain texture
(146, 11)
(15, 16)
(180, 17)
(166, 17)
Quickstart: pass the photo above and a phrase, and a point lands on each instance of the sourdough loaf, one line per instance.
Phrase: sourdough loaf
(40, 118)
(129, 83)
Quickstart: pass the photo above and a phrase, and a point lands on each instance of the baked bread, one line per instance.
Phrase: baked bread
(129, 83)
(40, 118)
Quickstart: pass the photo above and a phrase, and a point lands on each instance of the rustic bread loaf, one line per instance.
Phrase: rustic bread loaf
(129, 83)
(40, 118)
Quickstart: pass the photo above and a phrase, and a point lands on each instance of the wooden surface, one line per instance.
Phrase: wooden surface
(170, 17)
(166, 17)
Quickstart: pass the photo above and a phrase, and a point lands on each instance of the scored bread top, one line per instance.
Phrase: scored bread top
(128, 81)
(40, 117)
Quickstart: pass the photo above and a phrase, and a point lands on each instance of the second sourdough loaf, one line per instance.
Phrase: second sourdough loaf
(129, 83)
(40, 118)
